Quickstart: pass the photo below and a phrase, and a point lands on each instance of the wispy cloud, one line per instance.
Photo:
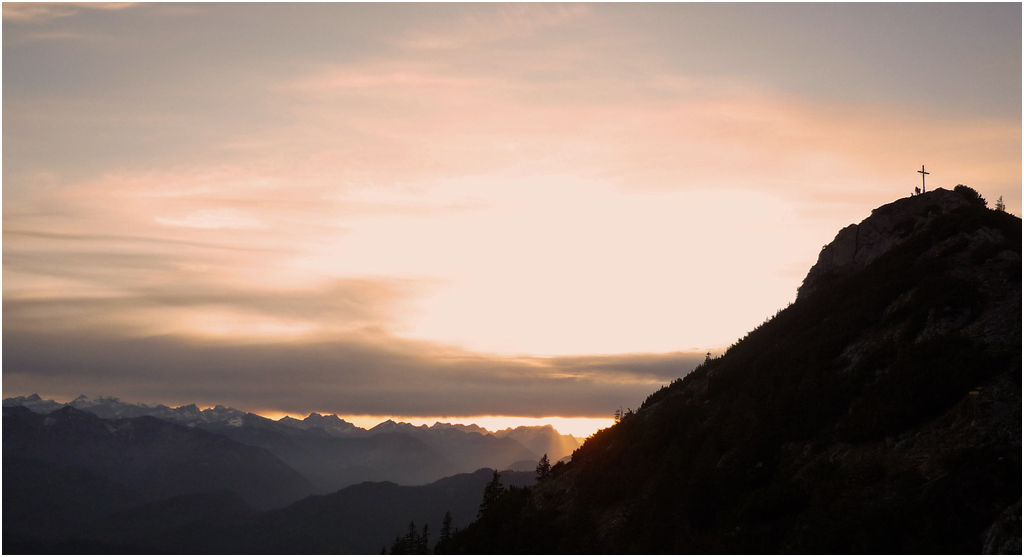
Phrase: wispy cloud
(31, 12)
(137, 292)
(651, 132)
(99, 238)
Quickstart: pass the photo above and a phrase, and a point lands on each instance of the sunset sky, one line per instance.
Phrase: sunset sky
(457, 210)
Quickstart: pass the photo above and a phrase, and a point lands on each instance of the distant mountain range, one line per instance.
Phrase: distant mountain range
(333, 453)
(101, 476)
(154, 458)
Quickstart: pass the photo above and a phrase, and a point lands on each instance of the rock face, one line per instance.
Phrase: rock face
(332, 425)
(33, 403)
(858, 245)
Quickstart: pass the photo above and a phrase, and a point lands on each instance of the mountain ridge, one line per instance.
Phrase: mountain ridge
(155, 458)
(192, 415)
(878, 413)
(333, 453)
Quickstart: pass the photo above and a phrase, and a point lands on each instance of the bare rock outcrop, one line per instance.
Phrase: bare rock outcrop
(858, 245)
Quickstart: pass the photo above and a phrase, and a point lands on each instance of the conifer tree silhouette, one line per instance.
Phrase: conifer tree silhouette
(446, 527)
(492, 492)
(543, 467)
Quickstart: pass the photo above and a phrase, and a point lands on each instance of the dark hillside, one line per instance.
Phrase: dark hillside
(44, 501)
(846, 423)
(154, 458)
(360, 519)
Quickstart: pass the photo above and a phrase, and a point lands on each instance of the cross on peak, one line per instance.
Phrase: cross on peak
(923, 174)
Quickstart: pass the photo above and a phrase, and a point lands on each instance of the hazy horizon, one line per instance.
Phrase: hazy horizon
(581, 428)
(518, 210)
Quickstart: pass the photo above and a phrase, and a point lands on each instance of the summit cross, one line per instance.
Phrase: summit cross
(923, 174)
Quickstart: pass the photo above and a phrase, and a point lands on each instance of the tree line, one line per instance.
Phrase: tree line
(495, 497)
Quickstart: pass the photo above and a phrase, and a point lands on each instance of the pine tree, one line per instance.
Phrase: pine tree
(492, 493)
(423, 541)
(411, 537)
(408, 544)
(543, 467)
(1000, 206)
(446, 527)
(398, 547)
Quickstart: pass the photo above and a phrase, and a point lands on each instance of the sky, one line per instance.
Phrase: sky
(458, 210)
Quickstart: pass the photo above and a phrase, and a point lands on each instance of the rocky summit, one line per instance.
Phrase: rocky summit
(858, 245)
(878, 413)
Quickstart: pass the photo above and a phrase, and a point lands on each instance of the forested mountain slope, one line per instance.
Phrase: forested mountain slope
(879, 413)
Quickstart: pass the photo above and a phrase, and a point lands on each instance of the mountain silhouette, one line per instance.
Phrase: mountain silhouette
(879, 413)
(47, 500)
(359, 519)
(542, 440)
(154, 458)
(333, 453)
